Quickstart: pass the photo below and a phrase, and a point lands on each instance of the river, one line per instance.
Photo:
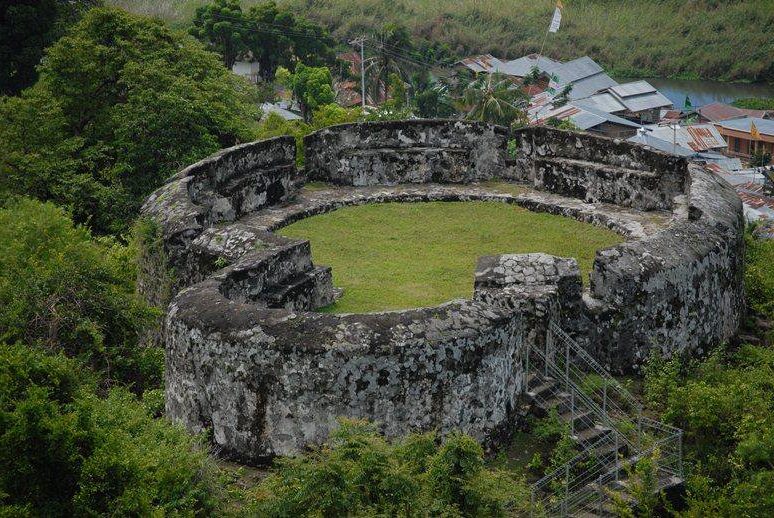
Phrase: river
(706, 92)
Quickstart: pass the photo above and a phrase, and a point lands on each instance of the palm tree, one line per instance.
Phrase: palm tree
(494, 98)
(391, 42)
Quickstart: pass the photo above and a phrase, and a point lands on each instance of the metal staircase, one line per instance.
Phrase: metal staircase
(605, 421)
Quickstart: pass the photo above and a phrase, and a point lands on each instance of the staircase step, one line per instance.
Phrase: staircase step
(581, 420)
(591, 435)
(542, 389)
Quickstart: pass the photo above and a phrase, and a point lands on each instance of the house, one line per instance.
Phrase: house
(738, 133)
(584, 75)
(638, 101)
(588, 118)
(522, 67)
(716, 112)
(247, 69)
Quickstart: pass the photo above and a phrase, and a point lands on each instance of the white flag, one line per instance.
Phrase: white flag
(556, 21)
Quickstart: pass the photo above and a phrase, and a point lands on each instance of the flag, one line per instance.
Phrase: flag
(754, 133)
(557, 19)
(688, 105)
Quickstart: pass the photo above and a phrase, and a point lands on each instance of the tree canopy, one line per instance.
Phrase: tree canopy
(122, 102)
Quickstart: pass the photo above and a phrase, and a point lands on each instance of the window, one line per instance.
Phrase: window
(736, 144)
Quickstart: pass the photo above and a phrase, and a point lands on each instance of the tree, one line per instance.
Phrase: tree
(390, 41)
(312, 87)
(434, 102)
(223, 27)
(64, 291)
(26, 28)
(279, 38)
(122, 102)
(494, 98)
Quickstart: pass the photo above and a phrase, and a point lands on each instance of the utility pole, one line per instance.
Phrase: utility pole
(361, 42)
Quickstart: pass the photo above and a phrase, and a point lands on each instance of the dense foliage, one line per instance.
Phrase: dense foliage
(709, 39)
(26, 28)
(359, 473)
(725, 405)
(122, 102)
(64, 451)
(63, 290)
(271, 35)
(754, 103)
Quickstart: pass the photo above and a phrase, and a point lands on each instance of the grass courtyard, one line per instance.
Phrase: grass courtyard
(404, 255)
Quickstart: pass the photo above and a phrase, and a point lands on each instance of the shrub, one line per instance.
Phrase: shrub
(359, 473)
(64, 451)
(61, 289)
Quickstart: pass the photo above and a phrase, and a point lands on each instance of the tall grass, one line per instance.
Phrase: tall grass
(713, 39)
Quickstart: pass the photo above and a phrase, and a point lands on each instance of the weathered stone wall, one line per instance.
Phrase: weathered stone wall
(679, 290)
(597, 169)
(271, 382)
(415, 151)
(248, 358)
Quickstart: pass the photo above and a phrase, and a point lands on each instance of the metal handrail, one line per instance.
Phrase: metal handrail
(582, 490)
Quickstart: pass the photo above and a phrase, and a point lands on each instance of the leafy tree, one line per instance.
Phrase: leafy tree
(122, 103)
(434, 102)
(223, 27)
(312, 87)
(26, 28)
(64, 291)
(494, 98)
(279, 38)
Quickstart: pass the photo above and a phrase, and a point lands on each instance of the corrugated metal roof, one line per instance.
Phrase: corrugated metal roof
(588, 86)
(651, 101)
(765, 126)
(576, 69)
(267, 108)
(585, 117)
(605, 102)
(482, 63)
(522, 66)
(699, 137)
(716, 112)
(635, 88)
(661, 144)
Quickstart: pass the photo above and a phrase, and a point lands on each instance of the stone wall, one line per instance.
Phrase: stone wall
(271, 382)
(415, 151)
(597, 169)
(679, 290)
(247, 356)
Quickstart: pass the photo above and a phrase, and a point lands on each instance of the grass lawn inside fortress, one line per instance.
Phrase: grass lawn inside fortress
(405, 255)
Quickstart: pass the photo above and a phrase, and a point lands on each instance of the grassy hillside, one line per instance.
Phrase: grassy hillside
(714, 39)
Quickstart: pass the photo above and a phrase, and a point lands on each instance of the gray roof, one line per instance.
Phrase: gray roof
(522, 66)
(590, 116)
(288, 115)
(765, 126)
(639, 96)
(588, 86)
(661, 144)
(605, 102)
(577, 69)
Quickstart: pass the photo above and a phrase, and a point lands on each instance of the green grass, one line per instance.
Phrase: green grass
(712, 39)
(403, 255)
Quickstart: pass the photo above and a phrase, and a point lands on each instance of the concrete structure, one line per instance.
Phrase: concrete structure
(247, 69)
(249, 358)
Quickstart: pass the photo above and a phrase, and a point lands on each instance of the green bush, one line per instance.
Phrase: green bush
(61, 289)
(759, 274)
(359, 473)
(65, 451)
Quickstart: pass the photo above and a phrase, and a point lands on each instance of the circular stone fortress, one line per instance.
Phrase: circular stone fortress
(248, 357)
